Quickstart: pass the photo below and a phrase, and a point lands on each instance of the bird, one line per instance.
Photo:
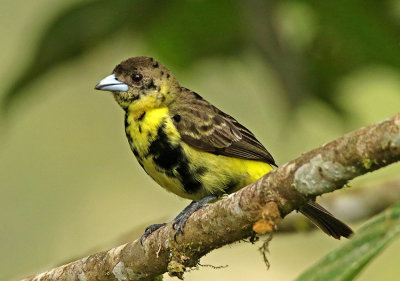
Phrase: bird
(190, 147)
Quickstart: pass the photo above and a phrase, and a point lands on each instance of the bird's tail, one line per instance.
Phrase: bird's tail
(326, 221)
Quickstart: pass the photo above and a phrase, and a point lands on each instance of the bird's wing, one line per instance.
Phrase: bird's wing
(205, 127)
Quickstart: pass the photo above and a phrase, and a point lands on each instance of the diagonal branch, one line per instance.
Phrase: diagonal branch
(259, 206)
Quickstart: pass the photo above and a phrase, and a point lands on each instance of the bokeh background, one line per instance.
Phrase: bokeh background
(297, 73)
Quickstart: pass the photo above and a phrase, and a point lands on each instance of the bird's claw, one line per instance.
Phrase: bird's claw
(149, 230)
(179, 225)
(180, 221)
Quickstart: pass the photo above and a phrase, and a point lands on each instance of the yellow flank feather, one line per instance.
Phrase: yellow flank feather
(226, 174)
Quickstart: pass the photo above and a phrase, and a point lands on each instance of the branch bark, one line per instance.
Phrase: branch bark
(257, 207)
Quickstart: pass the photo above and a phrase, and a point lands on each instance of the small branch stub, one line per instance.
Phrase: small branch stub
(270, 215)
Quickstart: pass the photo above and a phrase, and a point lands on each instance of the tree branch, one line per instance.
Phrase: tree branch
(259, 206)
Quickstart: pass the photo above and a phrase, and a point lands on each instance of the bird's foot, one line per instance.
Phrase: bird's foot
(149, 230)
(180, 221)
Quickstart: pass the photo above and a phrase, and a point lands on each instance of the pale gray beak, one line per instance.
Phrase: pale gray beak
(110, 83)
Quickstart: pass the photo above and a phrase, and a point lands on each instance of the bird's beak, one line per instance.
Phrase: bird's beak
(110, 83)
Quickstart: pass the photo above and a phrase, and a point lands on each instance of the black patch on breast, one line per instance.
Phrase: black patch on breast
(141, 117)
(126, 121)
(129, 137)
(169, 158)
(190, 183)
(140, 128)
(168, 75)
(164, 154)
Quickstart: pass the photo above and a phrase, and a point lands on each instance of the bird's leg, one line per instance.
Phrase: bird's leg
(180, 220)
(149, 230)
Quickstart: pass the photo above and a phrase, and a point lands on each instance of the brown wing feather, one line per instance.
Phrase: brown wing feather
(207, 128)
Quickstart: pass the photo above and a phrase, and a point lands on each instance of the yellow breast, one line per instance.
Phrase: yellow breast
(180, 168)
(151, 135)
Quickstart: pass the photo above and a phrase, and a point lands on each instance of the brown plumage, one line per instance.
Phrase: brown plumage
(205, 127)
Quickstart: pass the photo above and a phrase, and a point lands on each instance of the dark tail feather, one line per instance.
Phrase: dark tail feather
(326, 221)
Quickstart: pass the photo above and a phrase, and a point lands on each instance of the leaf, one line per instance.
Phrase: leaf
(346, 262)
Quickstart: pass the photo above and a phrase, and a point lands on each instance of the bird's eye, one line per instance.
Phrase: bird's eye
(137, 77)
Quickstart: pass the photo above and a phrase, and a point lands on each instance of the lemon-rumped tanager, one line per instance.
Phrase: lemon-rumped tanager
(187, 145)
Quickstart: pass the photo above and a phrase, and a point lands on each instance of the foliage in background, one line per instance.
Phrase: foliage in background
(333, 39)
(346, 262)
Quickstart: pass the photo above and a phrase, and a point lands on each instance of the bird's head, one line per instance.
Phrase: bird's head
(140, 80)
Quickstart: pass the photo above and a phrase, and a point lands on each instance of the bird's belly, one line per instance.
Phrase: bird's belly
(221, 174)
(181, 169)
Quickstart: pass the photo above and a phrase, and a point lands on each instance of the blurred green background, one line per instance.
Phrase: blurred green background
(297, 73)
